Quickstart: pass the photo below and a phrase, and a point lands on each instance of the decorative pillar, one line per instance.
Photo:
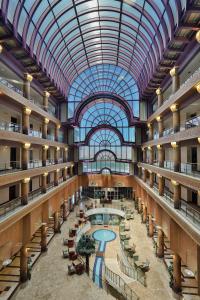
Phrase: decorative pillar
(25, 156)
(151, 179)
(176, 273)
(64, 207)
(177, 194)
(176, 156)
(65, 174)
(160, 248)
(139, 171)
(151, 226)
(175, 117)
(27, 86)
(161, 156)
(161, 185)
(150, 126)
(56, 151)
(46, 100)
(44, 128)
(71, 171)
(56, 131)
(24, 190)
(26, 120)
(44, 182)
(44, 155)
(144, 216)
(65, 154)
(150, 155)
(23, 263)
(159, 119)
(144, 174)
(175, 79)
(44, 237)
(56, 172)
(144, 151)
(56, 222)
(160, 97)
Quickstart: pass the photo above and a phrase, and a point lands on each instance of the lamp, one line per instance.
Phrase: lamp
(174, 107)
(27, 146)
(198, 36)
(158, 91)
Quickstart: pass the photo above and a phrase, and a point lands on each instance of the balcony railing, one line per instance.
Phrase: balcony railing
(10, 126)
(190, 169)
(156, 136)
(168, 131)
(50, 162)
(35, 133)
(34, 194)
(168, 164)
(9, 205)
(51, 137)
(190, 123)
(34, 164)
(9, 167)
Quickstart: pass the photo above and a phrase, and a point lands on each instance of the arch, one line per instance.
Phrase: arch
(96, 156)
(106, 171)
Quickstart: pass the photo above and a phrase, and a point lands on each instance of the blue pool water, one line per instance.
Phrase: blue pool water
(104, 235)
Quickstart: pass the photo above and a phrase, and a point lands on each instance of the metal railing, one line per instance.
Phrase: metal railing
(168, 164)
(34, 164)
(11, 86)
(35, 133)
(120, 285)
(156, 135)
(10, 126)
(130, 272)
(51, 137)
(34, 194)
(9, 167)
(168, 131)
(50, 162)
(190, 212)
(190, 123)
(190, 169)
(50, 185)
(9, 205)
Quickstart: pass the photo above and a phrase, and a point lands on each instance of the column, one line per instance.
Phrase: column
(177, 194)
(56, 151)
(24, 190)
(139, 171)
(64, 207)
(176, 156)
(161, 156)
(56, 131)
(160, 97)
(176, 273)
(151, 179)
(44, 237)
(56, 172)
(23, 263)
(144, 151)
(56, 222)
(144, 174)
(161, 185)
(27, 86)
(65, 154)
(44, 128)
(175, 117)
(175, 79)
(46, 100)
(144, 216)
(71, 171)
(160, 126)
(150, 126)
(150, 155)
(44, 182)
(160, 246)
(65, 174)
(151, 226)
(26, 120)
(44, 155)
(25, 156)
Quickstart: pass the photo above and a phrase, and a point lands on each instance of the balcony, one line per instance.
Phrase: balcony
(35, 133)
(34, 164)
(191, 169)
(50, 162)
(9, 167)
(51, 137)
(10, 127)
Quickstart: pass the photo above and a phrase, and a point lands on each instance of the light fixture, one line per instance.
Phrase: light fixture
(28, 77)
(158, 119)
(198, 36)
(1, 48)
(199, 140)
(57, 148)
(174, 144)
(66, 168)
(27, 146)
(57, 170)
(173, 71)
(66, 148)
(149, 125)
(46, 121)
(198, 87)
(27, 111)
(149, 147)
(45, 174)
(46, 94)
(174, 182)
(159, 176)
(58, 126)
(174, 107)
(159, 147)
(46, 147)
(158, 91)
(26, 180)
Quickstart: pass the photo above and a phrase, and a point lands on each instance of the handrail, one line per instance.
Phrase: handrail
(9, 166)
(9, 126)
(9, 205)
(130, 272)
(34, 164)
(120, 285)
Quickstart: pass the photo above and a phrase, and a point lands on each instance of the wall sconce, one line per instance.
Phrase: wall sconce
(198, 87)
(66, 148)
(46, 94)
(174, 107)
(66, 168)
(28, 77)
(26, 180)
(27, 111)
(174, 182)
(149, 125)
(159, 176)
(57, 148)
(46, 121)
(173, 71)
(58, 126)
(159, 147)
(159, 91)
(1, 48)
(46, 147)
(198, 36)
(158, 119)
(45, 174)
(174, 144)
(199, 140)
(149, 147)
(57, 170)
(27, 146)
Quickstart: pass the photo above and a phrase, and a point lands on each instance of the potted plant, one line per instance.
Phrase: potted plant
(86, 247)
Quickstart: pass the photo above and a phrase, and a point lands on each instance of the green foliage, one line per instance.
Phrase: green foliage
(86, 245)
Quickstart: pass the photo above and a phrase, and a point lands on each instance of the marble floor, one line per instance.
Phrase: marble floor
(50, 280)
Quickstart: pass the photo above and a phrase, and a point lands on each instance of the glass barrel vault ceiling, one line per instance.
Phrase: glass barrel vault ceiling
(69, 36)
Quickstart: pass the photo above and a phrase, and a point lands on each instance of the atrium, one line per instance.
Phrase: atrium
(100, 149)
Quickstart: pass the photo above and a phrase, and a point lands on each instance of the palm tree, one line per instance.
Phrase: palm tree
(86, 247)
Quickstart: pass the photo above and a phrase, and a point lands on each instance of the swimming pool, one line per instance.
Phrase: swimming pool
(104, 235)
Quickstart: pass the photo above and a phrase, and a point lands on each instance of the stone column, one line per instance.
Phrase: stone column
(27, 86)
(176, 273)
(161, 156)
(160, 126)
(175, 117)
(177, 194)
(56, 151)
(150, 155)
(56, 172)
(176, 156)
(175, 79)
(72, 170)
(139, 171)
(160, 97)
(64, 210)
(44, 237)
(56, 131)
(23, 264)
(144, 216)
(26, 120)
(44, 182)
(151, 179)
(46, 100)
(24, 190)
(160, 248)
(25, 156)
(161, 185)
(151, 226)
(144, 174)
(65, 174)
(44, 128)
(56, 222)
(44, 155)
(65, 154)
(144, 151)
(150, 126)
